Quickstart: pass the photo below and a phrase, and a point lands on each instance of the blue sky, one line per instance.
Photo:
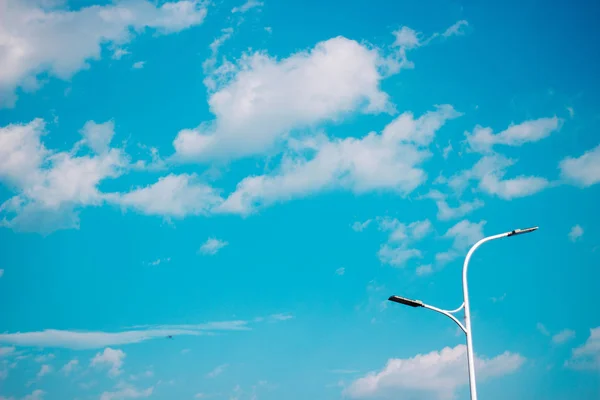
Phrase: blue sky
(255, 179)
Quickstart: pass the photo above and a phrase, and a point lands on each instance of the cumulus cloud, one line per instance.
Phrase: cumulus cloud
(483, 139)
(259, 100)
(464, 234)
(584, 170)
(70, 367)
(51, 186)
(446, 212)
(490, 173)
(212, 246)
(44, 370)
(587, 356)
(398, 250)
(575, 233)
(35, 395)
(390, 161)
(110, 358)
(436, 375)
(171, 196)
(60, 42)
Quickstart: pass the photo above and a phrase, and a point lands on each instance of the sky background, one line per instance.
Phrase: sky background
(256, 179)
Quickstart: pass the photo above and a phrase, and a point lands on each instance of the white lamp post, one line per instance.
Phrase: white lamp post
(467, 327)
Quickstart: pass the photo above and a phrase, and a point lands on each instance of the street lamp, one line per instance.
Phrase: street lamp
(467, 327)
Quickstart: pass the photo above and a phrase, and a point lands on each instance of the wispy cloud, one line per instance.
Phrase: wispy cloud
(217, 371)
(212, 246)
(575, 233)
(53, 338)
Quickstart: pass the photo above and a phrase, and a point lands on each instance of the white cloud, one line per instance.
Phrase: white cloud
(483, 139)
(390, 161)
(436, 375)
(44, 358)
(110, 358)
(217, 371)
(249, 4)
(445, 212)
(571, 112)
(397, 256)
(489, 171)
(87, 340)
(340, 271)
(51, 186)
(70, 366)
(171, 196)
(138, 65)
(44, 370)
(212, 246)
(397, 250)
(1, 273)
(464, 234)
(209, 65)
(423, 270)
(119, 52)
(575, 233)
(127, 392)
(447, 150)
(542, 328)
(360, 226)
(584, 170)
(407, 38)
(5, 351)
(260, 99)
(61, 42)
(456, 29)
(98, 136)
(35, 395)
(563, 336)
(587, 356)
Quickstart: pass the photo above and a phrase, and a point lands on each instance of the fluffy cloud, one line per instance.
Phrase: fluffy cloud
(397, 250)
(464, 234)
(575, 233)
(44, 370)
(60, 42)
(212, 246)
(388, 161)
(70, 366)
(587, 356)
(489, 172)
(445, 212)
(436, 375)
(261, 99)
(110, 358)
(98, 136)
(584, 170)
(171, 196)
(51, 186)
(483, 139)
(35, 395)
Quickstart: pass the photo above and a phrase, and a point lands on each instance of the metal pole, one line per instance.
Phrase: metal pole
(468, 330)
